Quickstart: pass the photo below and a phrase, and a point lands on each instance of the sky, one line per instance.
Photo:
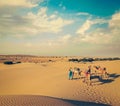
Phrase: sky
(60, 27)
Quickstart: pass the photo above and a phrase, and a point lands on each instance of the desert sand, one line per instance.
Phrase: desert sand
(47, 84)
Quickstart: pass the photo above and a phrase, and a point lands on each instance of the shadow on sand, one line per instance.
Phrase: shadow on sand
(37, 100)
(100, 81)
(114, 75)
(83, 103)
(111, 78)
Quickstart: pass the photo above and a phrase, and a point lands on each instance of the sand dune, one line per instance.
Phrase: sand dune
(51, 79)
(32, 100)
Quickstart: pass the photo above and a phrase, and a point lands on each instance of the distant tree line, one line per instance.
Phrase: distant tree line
(92, 59)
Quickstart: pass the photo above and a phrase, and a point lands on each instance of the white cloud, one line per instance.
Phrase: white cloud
(65, 39)
(98, 36)
(45, 23)
(84, 27)
(28, 44)
(59, 41)
(19, 3)
(115, 21)
(100, 21)
(7, 16)
(108, 35)
(114, 28)
(83, 13)
(53, 16)
(60, 5)
(88, 23)
(32, 24)
(64, 8)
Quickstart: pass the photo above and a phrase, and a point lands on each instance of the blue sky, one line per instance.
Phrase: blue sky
(60, 27)
(101, 8)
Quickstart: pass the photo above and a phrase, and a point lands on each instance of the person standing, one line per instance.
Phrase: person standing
(70, 74)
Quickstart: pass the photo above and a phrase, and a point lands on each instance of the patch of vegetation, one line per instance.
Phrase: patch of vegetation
(86, 60)
(8, 62)
(92, 59)
(74, 60)
(18, 62)
(11, 62)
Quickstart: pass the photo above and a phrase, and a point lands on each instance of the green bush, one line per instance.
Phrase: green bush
(8, 62)
(18, 62)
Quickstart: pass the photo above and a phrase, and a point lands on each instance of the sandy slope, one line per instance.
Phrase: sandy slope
(51, 79)
(33, 100)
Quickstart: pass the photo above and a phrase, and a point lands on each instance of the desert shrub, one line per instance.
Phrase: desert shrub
(86, 60)
(97, 59)
(8, 62)
(82, 60)
(90, 59)
(73, 60)
(50, 60)
(18, 62)
(116, 58)
(110, 59)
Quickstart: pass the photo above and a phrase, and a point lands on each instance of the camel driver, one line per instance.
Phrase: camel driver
(88, 72)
